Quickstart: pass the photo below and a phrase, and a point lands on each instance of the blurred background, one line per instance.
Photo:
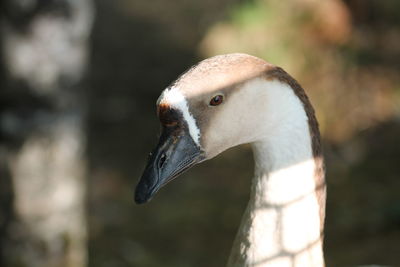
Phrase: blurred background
(79, 81)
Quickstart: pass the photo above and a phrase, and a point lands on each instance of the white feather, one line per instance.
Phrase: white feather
(173, 97)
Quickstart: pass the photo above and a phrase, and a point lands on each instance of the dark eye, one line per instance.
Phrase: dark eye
(216, 100)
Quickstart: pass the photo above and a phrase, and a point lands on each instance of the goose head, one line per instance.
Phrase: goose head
(214, 106)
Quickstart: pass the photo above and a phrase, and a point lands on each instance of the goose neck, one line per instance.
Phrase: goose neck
(282, 223)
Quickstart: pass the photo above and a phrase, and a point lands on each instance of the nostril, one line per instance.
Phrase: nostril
(161, 161)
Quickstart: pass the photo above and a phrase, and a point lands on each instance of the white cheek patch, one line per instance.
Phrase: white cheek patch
(173, 97)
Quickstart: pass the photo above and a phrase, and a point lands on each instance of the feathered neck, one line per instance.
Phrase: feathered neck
(283, 222)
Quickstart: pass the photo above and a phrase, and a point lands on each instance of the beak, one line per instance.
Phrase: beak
(175, 153)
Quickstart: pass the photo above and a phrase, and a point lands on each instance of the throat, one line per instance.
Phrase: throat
(283, 223)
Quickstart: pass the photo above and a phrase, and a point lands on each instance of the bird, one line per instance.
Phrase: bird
(233, 99)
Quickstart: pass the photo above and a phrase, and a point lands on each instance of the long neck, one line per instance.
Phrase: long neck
(283, 223)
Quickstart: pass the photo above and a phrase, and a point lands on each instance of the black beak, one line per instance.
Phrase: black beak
(175, 153)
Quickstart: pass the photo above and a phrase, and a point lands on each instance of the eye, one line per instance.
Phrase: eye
(216, 100)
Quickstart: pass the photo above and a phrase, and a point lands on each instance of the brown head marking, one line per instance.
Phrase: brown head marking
(167, 115)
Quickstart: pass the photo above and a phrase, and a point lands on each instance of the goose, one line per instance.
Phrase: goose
(234, 99)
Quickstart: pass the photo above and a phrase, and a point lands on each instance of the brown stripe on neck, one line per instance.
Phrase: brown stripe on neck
(279, 74)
